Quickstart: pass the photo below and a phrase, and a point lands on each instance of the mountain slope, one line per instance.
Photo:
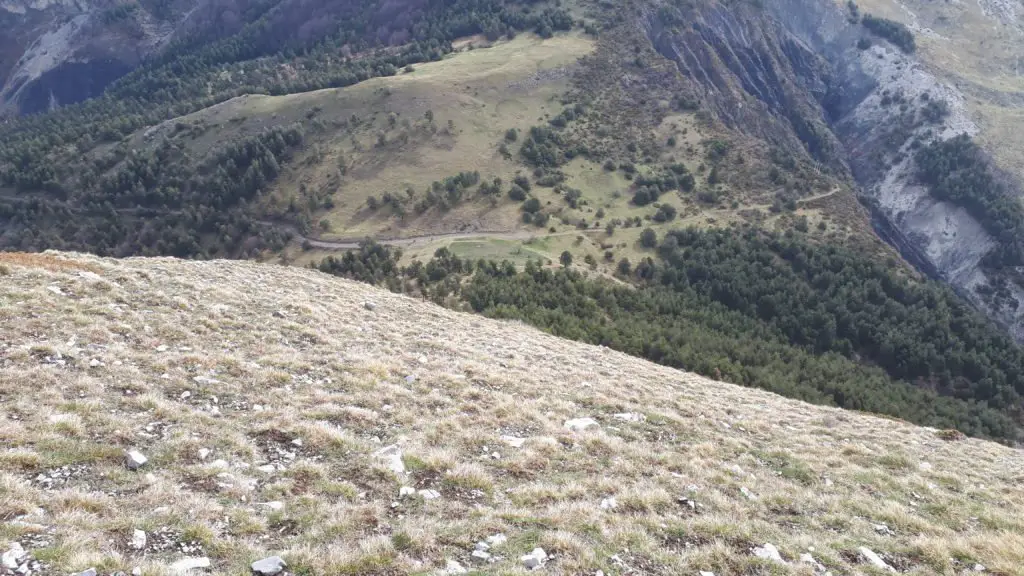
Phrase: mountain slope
(294, 380)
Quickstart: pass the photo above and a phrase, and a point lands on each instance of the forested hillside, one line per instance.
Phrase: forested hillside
(716, 236)
(820, 323)
(59, 163)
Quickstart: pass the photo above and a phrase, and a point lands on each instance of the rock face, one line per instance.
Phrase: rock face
(791, 74)
(61, 51)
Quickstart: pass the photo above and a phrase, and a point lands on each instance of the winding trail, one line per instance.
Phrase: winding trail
(410, 241)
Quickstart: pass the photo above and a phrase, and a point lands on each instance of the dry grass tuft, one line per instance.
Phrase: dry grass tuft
(292, 386)
(46, 261)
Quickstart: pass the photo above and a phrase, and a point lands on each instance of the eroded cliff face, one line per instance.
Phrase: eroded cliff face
(65, 51)
(790, 72)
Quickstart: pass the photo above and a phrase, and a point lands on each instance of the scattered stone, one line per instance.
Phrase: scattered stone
(370, 306)
(883, 530)
(453, 567)
(161, 348)
(137, 571)
(391, 457)
(480, 556)
(609, 504)
(95, 363)
(430, 494)
(706, 573)
(13, 557)
(410, 379)
(806, 558)
(497, 540)
(274, 506)
(979, 568)
(630, 417)
(204, 453)
(580, 424)
(138, 540)
(513, 441)
(134, 459)
(769, 552)
(297, 442)
(535, 559)
(406, 491)
(874, 559)
(150, 478)
(87, 572)
(924, 466)
(267, 468)
(746, 492)
(186, 565)
(269, 566)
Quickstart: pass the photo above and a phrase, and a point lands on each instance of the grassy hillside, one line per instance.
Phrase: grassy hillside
(292, 383)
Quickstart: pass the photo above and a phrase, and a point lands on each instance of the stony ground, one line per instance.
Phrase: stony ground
(159, 414)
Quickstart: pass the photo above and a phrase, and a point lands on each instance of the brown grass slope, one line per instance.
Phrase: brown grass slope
(293, 383)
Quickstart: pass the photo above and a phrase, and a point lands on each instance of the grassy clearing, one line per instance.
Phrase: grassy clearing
(185, 351)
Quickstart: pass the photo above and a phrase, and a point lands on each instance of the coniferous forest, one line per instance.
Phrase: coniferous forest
(819, 323)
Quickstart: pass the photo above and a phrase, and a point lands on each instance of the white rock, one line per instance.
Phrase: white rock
(609, 504)
(630, 417)
(273, 506)
(269, 566)
(706, 573)
(497, 540)
(391, 457)
(924, 466)
(161, 348)
(453, 567)
(267, 468)
(430, 494)
(979, 568)
(746, 492)
(87, 572)
(138, 540)
(186, 565)
(406, 491)
(94, 363)
(13, 557)
(480, 556)
(369, 306)
(297, 442)
(513, 441)
(769, 552)
(134, 459)
(874, 559)
(204, 453)
(137, 571)
(580, 424)
(806, 558)
(535, 559)
(482, 546)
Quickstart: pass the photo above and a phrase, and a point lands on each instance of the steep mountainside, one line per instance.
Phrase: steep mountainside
(62, 52)
(285, 412)
(815, 71)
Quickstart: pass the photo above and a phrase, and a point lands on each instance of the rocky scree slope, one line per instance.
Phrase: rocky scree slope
(160, 416)
(791, 72)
